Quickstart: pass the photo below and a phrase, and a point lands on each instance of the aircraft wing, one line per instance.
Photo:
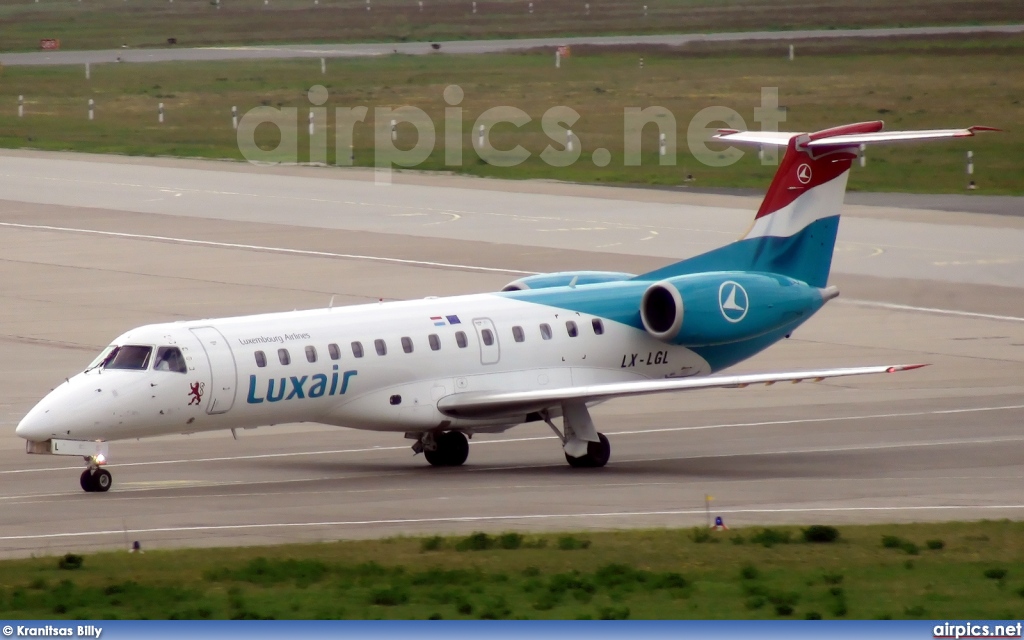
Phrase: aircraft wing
(491, 404)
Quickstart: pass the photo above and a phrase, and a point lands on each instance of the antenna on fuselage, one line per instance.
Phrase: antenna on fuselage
(330, 305)
(572, 283)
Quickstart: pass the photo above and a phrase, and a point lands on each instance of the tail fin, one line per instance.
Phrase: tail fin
(794, 231)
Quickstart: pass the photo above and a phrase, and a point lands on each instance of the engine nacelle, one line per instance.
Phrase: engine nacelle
(566, 278)
(717, 308)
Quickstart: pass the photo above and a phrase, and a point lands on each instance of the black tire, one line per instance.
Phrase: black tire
(87, 482)
(456, 448)
(597, 455)
(102, 480)
(452, 450)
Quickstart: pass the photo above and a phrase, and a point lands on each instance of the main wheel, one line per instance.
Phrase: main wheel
(597, 454)
(102, 480)
(452, 450)
(456, 446)
(86, 481)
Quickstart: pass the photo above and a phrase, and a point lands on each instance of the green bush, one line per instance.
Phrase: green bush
(892, 542)
(784, 609)
(935, 545)
(572, 543)
(754, 602)
(510, 540)
(749, 572)
(478, 541)
(70, 562)
(832, 578)
(812, 615)
(771, 537)
(821, 533)
(433, 543)
(995, 574)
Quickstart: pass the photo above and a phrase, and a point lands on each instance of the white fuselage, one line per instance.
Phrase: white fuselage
(311, 373)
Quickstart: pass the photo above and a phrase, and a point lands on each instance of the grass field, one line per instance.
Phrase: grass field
(909, 83)
(99, 24)
(953, 570)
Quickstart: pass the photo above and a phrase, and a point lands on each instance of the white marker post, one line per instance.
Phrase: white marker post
(394, 130)
(367, 5)
(661, 145)
(234, 118)
(311, 123)
(421, 6)
(645, 10)
(480, 138)
(91, 106)
(558, 58)
(352, 153)
(568, 139)
(792, 53)
(21, 106)
(970, 170)
(474, 7)
(160, 113)
(323, 66)
(531, 7)
(863, 157)
(87, 71)
(641, 63)
(586, 9)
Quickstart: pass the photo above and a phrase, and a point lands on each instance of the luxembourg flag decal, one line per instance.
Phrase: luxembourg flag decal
(441, 321)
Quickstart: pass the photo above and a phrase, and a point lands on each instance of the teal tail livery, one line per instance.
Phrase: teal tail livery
(440, 370)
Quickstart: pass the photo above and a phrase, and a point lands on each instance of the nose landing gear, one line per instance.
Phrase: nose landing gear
(95, 479)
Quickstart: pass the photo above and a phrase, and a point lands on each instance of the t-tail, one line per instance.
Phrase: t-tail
(794, 231)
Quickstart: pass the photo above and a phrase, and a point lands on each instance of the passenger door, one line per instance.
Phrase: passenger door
(490, 351)
(223, 374)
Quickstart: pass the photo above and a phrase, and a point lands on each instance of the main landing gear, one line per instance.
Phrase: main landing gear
(94, 478)
(448, 449)
(584, 447)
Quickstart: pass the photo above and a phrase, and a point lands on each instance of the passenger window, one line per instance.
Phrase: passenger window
(311, 354)
(130, 357)
(407, 345)
(487, 337)
(357, 349)
(334, 351)
(284, 356)
(435, 342)
(460, 339)
(598, 326)
(169, 359)
(261, 359)
(382, 348)
(545, 331)
(517, 334)
(572, 329)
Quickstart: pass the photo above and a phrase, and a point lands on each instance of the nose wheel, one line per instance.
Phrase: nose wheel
(96, 480)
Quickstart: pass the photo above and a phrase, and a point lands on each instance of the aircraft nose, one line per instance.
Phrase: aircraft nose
(33, 426)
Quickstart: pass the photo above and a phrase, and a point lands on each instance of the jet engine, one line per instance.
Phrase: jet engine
(718, 308)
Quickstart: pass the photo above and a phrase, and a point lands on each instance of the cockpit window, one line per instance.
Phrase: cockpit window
(169, 359)
(129, 356)
(102, 358)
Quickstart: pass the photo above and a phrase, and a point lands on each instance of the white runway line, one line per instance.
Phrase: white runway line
(499, 518)
(447, 265)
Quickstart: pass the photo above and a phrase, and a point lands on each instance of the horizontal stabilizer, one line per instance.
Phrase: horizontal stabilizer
(491, 404)
(846, 135)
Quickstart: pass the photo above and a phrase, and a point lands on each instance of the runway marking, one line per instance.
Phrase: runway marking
(253, 247)
(767, 423)
(447, 265)
(945, 312)
(505, 518)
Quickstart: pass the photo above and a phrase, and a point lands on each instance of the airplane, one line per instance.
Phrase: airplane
(440, 370)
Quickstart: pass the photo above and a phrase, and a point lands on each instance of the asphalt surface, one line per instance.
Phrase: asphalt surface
(96, 245)
(469, 46)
